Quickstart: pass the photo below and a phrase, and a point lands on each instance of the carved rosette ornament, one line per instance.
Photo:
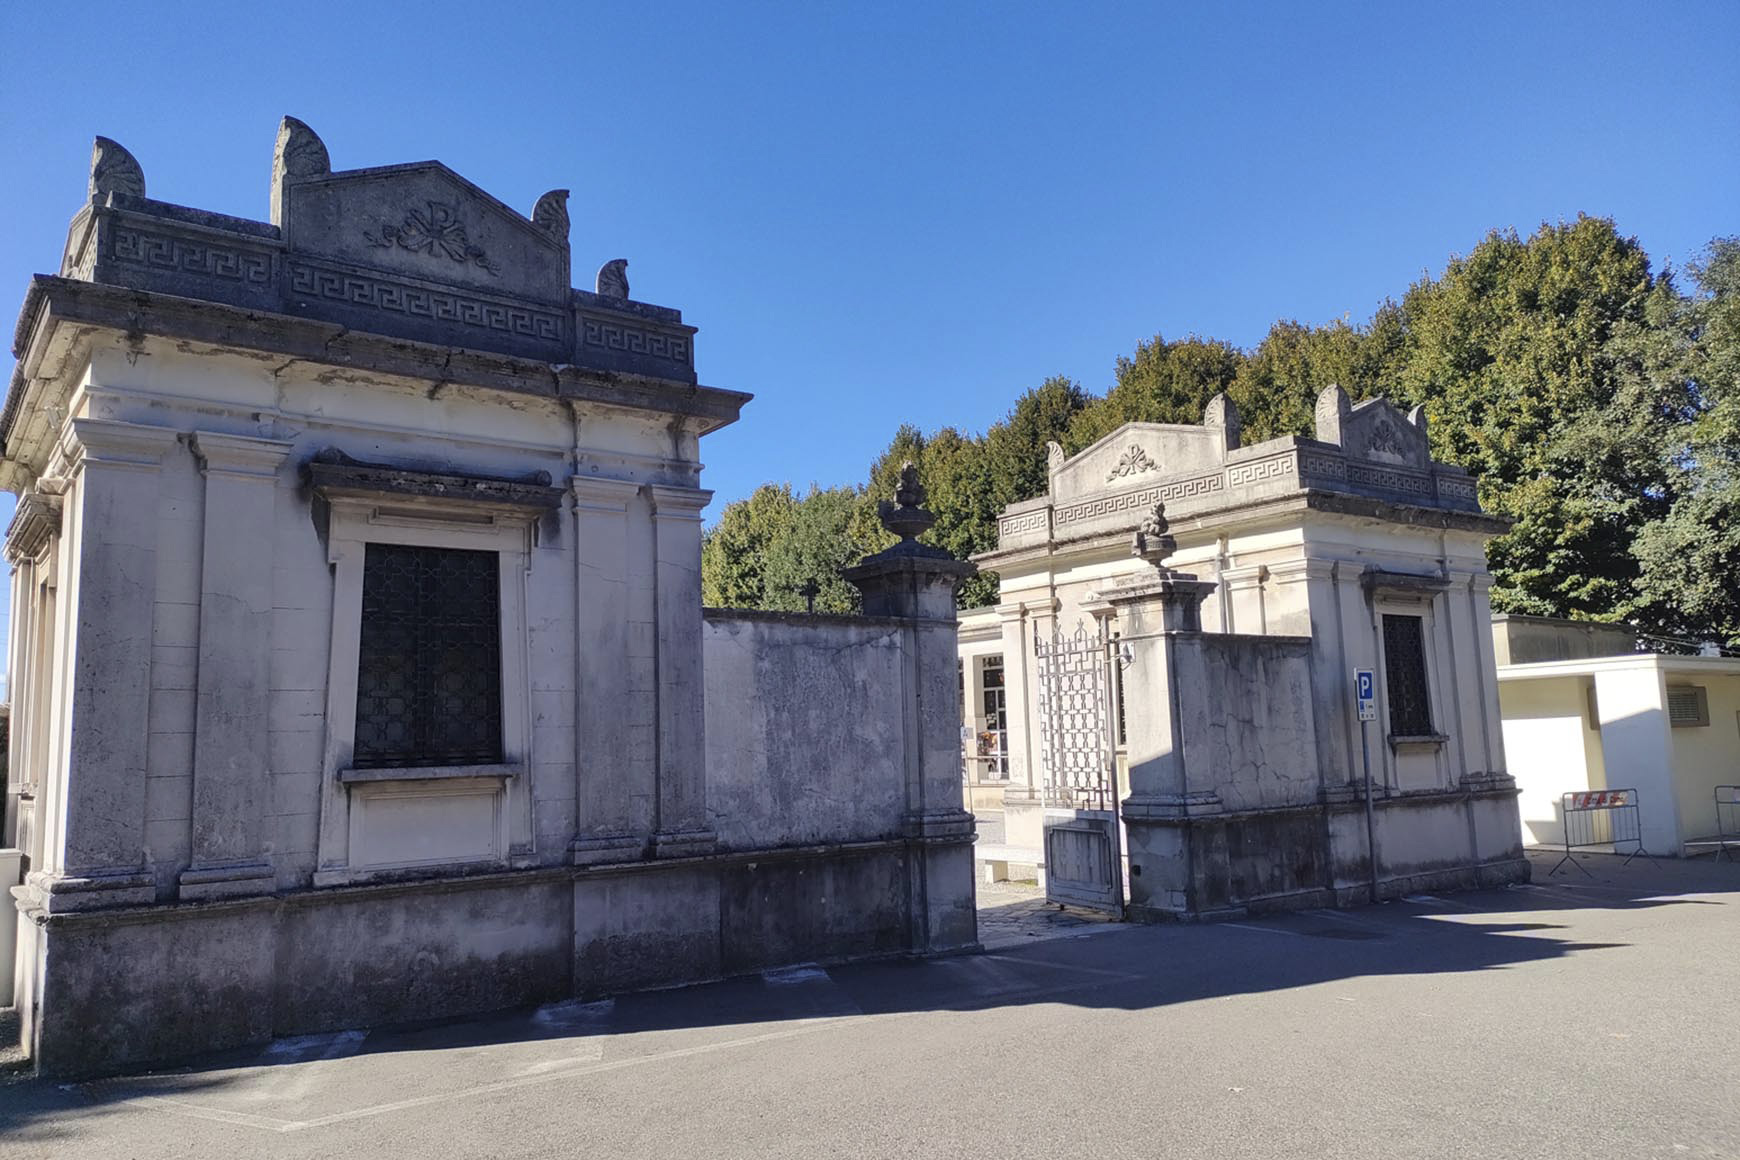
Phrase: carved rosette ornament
(1384, 440)
(1133, 462)
(438, 233)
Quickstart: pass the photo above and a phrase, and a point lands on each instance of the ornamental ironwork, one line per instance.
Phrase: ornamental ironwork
(1075, 720)
(428, 688)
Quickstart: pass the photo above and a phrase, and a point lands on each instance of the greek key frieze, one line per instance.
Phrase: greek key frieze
(1324, 466)
(416, 302)
(1020, 525)
(1389, 480)
(1242, 473)
(632, 340)
(1455, 488)
(162, 252)
(1145, 498)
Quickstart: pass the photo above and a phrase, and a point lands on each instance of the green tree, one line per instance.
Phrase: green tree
(1278, 383)
(1689, 560)
(1015, 447)
(1163, 382)
(734, 552)
(817, 544)
(1509, 350)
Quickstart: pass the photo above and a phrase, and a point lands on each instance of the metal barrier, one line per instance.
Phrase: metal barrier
(1600, 817)
(1726, 839)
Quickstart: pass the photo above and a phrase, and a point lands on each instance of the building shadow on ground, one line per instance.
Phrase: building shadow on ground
(290, 1084)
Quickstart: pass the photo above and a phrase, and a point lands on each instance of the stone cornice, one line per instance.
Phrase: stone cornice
(110, 441)
(1381, 580)
(79, 311)
(1034, 605)
(678, 503)
(598, 493)
(1302, 568)
(1265, 512)
(35, 521)
(336, 477)
(238, 455)
(1244, 577)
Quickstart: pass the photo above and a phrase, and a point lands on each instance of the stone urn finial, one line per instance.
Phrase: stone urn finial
(1153, 541)
(906, 517)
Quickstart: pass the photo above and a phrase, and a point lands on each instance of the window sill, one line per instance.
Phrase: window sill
(427, 773)
(1418, 741)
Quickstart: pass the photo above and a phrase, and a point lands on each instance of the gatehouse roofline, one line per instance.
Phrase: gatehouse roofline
(1371, 451)
(1254, 516)
(403, 271)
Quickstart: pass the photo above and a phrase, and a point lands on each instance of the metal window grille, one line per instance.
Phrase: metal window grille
(1688, 705)
(1405, 676)
(428, 688)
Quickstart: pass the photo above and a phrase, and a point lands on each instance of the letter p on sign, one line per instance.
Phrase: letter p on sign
(1365, 693)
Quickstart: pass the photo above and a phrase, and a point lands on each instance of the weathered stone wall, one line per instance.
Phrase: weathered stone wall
(793, 755)
(1245, 704)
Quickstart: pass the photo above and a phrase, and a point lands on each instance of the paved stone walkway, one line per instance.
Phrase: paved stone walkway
(1016, 913)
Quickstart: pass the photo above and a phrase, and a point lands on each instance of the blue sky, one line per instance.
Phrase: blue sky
(881, 213)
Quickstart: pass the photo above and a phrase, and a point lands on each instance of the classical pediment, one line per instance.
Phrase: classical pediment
(1137, 452)
(1375, 430)
(424, 222)
(1371, 450)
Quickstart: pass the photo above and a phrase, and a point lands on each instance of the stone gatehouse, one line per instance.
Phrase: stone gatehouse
(359, 670)
(1281, 568)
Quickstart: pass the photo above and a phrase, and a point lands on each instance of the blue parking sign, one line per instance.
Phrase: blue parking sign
(1365, 693)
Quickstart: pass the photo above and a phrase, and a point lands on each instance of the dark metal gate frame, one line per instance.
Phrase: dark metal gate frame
(1084, 860)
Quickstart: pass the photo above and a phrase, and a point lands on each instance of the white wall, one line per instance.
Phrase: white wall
(1706, 756)
(1632, 702)
(1551, 748)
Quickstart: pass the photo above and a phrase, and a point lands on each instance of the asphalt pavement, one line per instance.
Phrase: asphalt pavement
(1579, 1017)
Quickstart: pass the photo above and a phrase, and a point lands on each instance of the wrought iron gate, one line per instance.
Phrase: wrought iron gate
(1084, 863)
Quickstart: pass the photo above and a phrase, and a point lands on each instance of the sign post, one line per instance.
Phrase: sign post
(1365, 699)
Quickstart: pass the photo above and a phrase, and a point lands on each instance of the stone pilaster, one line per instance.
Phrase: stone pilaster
(97, 855)
(682, 775)
(1158, 616)
(613, 816)
(1486, 671)
(916, 583)
(1244, 595)
(231, 757)
(921, 590)
(1323, 600)
(1018, 676)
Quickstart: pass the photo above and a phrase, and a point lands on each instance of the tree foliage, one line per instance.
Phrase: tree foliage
(1597, 402)
(1689, 560)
